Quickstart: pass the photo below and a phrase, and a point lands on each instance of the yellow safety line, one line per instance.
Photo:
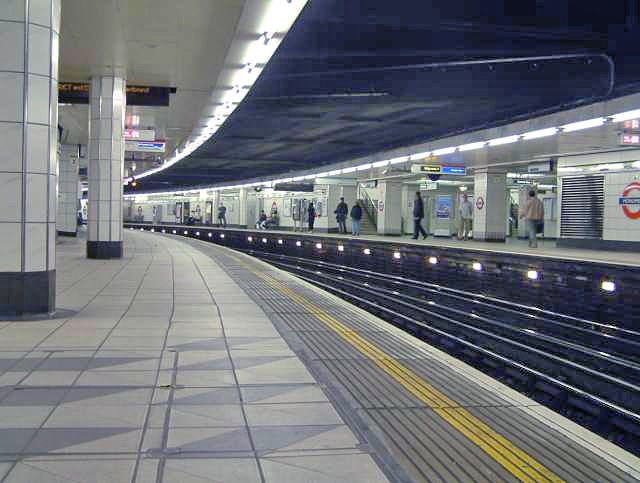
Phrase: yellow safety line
(503, 451)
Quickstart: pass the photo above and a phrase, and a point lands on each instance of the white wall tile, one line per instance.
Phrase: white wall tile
(36, 209)
(53, 197)
(10, 234)
(39, 50)
(10, 197)
(12, 10)
(51, 233)
(39, 91)
(106, 87)
(12, 40)
(40, 12)
(35, 247)
(11, 142)
(11, 101)
(37, 148)
(104, 233)
(55, 57)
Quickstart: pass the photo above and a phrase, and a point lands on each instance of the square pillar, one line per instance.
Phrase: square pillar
(29, 156)
(106, 166)
(490, 212)
(389, 208)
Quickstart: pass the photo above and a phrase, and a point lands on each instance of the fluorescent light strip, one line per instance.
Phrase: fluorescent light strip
(418, 156)
(577, 126)
(626, 116)
(380, 164)
(504, 140)
(540, 133)
(443, 151)
(471, 146)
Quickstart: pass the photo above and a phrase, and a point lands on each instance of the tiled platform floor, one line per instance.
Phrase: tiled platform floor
(158, 368)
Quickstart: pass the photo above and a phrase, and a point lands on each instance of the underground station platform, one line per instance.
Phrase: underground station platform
(188, 361)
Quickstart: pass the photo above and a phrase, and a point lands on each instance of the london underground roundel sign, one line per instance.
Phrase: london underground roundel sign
(630, 200)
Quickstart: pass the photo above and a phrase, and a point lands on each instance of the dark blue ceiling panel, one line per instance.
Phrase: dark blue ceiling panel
(354, 78)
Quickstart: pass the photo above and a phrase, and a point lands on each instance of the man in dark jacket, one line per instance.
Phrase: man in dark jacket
(341, 212)
(356, 216)
(418, 215)
(311, 213)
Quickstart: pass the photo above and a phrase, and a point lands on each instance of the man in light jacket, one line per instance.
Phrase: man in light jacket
(533, 214)
(466, 217)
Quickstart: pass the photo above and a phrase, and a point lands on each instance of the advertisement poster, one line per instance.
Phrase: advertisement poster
(444, 206)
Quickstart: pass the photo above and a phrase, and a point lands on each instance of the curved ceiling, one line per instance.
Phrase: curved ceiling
(355, 78)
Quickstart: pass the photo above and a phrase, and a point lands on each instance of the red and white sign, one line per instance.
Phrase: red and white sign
(480, 202)
(630, 201)
(139, 134)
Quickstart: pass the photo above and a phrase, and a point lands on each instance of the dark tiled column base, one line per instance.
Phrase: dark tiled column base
(68, 233)
(26, 293)
(104, 249)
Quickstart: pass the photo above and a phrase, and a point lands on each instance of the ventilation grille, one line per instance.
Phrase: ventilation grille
(582, 212)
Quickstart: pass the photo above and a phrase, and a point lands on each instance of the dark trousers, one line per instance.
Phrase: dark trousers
(417, 228)
(222, 221)
(342, 226)
(311, 222)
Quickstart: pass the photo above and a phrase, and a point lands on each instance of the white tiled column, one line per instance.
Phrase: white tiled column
(390, 208)
(490, 211)
(106, 165)
(68, 194)
(28, 155)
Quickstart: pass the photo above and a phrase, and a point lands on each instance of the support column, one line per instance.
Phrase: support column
(490, 212)
(68, 194)
(242, 216)
(390, 208)
(28, 157)
(106, 165)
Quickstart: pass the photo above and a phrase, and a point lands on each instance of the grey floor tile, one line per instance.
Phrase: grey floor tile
(85, 440)
(209, 378)
(76, 469)
(95, 416)
(23, 416)
(107, 396)
(51, 378)
(34, 396)
(111, 378)
(301, 438)
(282, 393)
(13, 440)
(204, 396)
(186, 440)
(300, 414)
(330, 468)
(194, 416)
(211, 470)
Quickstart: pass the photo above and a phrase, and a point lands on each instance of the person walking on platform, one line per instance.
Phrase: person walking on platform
(418, 215)
(356, 216)
(466, 217)
(222, 216)
(533, 215)
(311, 212)
(341, 216)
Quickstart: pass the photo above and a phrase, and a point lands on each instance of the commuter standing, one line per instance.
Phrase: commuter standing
(533, 215)
(222, 215)
(341, 216)
(311, 212)
(466, 217)
(418, 215)
(356, 216)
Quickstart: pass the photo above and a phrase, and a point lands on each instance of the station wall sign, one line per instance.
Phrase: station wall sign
(145, 146)
(78, 93)
(630, 201)
(300, 187)
(437, 169)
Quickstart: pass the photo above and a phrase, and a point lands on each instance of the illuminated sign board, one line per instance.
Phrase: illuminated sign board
(629, 139)
(78, 93)
(139, 134)
(301, 187)
(632, 124)
(145, 146)
(435, 169)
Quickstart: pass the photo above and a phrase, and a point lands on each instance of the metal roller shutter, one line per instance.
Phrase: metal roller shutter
(582, 212)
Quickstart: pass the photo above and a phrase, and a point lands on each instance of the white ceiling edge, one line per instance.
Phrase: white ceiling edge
(259, 17)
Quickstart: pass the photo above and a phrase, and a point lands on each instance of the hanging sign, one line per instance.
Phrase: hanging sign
(480, 202)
